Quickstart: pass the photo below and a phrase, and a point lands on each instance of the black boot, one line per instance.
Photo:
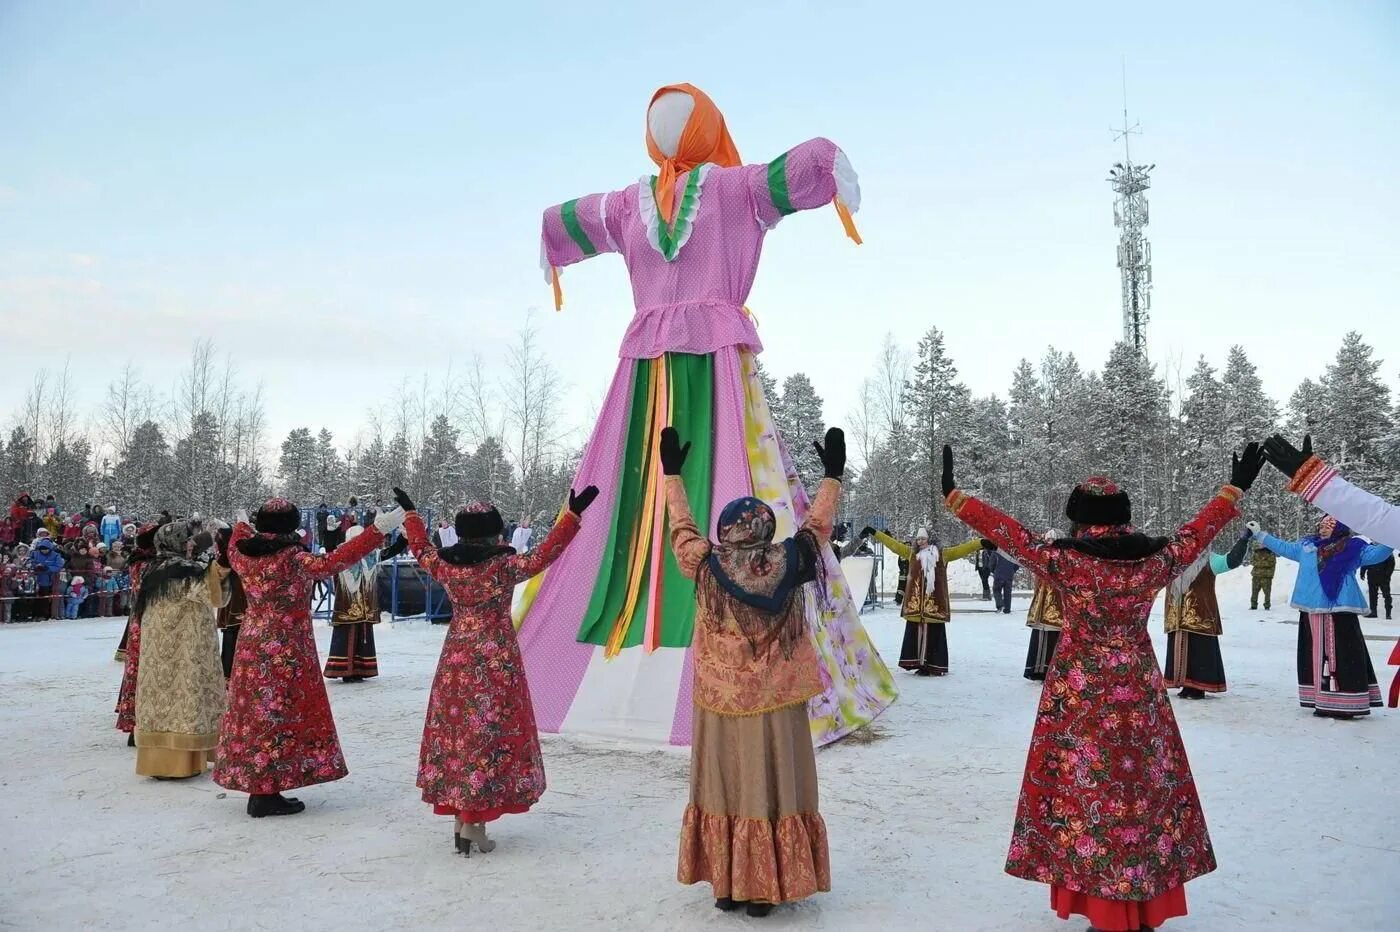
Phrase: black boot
(273, 804)
(727, 904)
(131, 739)
(759, 910)
(353, 679)
(1190, 692)
(1371, 615)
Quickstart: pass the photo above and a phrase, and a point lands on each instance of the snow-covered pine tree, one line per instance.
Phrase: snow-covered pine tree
(296, 469)
(490, 478)
(1127, 416)
(1251, 415)
(936, 408)
(800, 421)
(1202, 446)
(328, 476)
(440, 474)
(1355, 407)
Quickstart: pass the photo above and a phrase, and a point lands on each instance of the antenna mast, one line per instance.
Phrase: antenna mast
(1130, 184)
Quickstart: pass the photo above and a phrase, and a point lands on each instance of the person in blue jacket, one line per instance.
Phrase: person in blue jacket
(48, 562)
(111, 526)
(1335, 675)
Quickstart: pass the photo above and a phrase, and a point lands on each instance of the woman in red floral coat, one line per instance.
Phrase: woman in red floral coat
(130, 649)
(480, 757)
(1109, 814)
(278, 733)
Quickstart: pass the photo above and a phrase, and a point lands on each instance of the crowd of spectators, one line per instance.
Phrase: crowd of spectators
(63, 564)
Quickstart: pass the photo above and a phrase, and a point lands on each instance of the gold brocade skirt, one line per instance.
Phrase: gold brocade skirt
(752, 829)
(166, 762)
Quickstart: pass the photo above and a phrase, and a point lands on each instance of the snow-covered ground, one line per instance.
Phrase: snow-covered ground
(1302, 810)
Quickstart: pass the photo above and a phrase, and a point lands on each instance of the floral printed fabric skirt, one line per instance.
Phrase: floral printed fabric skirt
(1119, 915)
(126, 694)
(752, 829)
(278, 734)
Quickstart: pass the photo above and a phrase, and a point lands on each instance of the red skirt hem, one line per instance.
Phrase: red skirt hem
(1118, 915)
(479, 815)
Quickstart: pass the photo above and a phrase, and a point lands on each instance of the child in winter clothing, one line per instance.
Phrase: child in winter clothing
(77, 595)
(111, 526)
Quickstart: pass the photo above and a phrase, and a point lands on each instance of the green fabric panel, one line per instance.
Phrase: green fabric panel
(610, 587)
(569, 213)
(777, 185)
(693, 391)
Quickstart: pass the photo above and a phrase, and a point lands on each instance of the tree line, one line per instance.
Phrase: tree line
(497, 432)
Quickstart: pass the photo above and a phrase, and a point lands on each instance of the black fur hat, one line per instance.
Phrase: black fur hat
(1099, 501)
(480, 521)
(277, 516)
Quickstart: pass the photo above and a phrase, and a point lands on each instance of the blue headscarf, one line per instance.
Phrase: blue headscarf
(1338, 552)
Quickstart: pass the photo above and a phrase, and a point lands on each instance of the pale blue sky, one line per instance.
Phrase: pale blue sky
(352, 192)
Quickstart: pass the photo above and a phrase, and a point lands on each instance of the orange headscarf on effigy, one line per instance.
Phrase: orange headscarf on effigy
(704, 139)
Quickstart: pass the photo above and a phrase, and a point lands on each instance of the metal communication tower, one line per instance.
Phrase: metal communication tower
(1130, 183)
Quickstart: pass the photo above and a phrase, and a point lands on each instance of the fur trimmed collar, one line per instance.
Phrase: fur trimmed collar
(1131, 546)
(265, 545)
(470, 553)
(164, 575)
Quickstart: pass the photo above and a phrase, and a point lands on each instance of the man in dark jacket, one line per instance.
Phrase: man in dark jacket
(1003, 574)
(1378, 578)
(985, 561)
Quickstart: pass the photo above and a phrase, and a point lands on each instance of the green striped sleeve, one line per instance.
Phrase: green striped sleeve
(569, 213)
(777, 185)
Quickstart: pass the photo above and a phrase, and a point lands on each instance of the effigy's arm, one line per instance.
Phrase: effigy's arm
(808, 176)
(577, 230)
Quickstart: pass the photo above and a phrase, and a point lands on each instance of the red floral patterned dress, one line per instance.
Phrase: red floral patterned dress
(1108, 814)
(480, 757)
(126, 693)
(278, 733)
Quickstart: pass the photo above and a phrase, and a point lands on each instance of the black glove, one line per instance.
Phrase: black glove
(399, 545)
(948, 484)
(672, 453)
(867, 531)
(988, 545)
(833, 454)
(579, 502)
(1284, 455)
(1236, 555)
(402, 498)
(1245, 469)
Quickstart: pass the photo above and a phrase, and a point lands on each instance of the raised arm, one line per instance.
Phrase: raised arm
(811, 175)
(420, 545)
(577, 230)
(326, 565)
(901, 550)
(1358, 509)
(1288, 549)
(958, 551)
(1375, 553)
(524, 565)
(1195, 536)
(823, 511)
(1026, 548)
(687, 543)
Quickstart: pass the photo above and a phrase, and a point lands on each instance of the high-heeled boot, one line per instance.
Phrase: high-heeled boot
(474, 833)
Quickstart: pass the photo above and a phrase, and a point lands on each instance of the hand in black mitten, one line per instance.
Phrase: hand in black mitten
(1284, 455)
(833, 454)
(1245, 469)
(579, 502)
(988, 545)
(402, 498)
(867, 531)
(672, 453)
(948, 484)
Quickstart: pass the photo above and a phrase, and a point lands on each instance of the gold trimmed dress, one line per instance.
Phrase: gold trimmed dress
(180, 689)
(752, 829)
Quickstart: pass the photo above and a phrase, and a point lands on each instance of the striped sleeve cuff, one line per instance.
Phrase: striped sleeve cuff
(1312, 478)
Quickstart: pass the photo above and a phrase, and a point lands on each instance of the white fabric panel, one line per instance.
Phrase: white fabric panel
(1366, 514)
(859, 571)
(631, 697)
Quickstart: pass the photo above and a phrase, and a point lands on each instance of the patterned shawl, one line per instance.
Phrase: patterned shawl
(1338, 551)
(758, 581)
